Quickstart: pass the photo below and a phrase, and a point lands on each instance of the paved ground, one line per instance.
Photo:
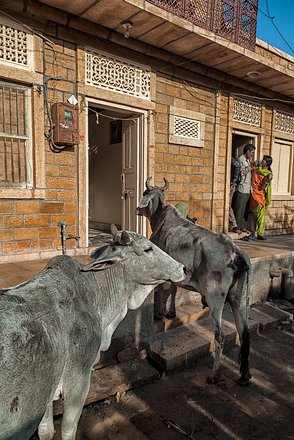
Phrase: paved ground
(181, 405)
(20, 271)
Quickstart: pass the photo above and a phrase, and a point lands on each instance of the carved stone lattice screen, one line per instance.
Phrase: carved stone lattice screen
(13, 45)
(284, 122)
(247, 112)
(117, 75)
(186, 127)
(234, 20)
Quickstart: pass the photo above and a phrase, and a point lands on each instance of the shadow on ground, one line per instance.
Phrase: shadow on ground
(182, 405)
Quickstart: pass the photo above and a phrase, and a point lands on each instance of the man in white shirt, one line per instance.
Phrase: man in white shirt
(242, 192)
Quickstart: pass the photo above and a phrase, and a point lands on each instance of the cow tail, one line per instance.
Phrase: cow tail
(245, 340)
(244, 351)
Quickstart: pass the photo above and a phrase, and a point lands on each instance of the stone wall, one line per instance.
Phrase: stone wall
(197, 175)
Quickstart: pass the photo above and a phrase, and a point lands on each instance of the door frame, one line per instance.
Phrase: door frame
(257, 135)
(141, 168)
(247, 133)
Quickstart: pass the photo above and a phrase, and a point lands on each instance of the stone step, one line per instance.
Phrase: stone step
(188, 342)
(186, 314)
(110, 381)
(172, 349)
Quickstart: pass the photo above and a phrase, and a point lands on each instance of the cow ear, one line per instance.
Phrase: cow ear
(96, 265)
(95, 254)
(113, 230)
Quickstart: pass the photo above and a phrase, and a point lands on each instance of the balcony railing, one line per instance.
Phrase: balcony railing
(234, 20)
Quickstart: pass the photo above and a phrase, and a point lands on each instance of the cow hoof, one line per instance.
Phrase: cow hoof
(213, 379)
(159, 317)
(170, 315)
(244, 382)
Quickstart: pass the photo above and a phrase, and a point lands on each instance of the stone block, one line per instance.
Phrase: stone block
(268, 316)
(115, 379)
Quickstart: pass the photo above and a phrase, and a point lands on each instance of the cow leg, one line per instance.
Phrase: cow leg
(46, 429)
(75, 395)
(159, 303)
(240, 311)
(172, 308)
(216, 311)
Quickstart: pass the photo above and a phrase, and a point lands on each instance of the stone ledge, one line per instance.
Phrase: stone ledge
(182, 344)
(115, 379)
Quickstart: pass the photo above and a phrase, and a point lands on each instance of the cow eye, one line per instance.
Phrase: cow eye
(150, 249)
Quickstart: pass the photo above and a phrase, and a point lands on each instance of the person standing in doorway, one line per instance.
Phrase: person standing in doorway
(235, 179)
(243, 189)
(260, 196)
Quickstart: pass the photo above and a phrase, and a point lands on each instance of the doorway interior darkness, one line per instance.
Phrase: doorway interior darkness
(239, 140)
(115, 142)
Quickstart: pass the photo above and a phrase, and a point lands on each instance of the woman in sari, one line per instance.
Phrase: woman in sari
(260, 198)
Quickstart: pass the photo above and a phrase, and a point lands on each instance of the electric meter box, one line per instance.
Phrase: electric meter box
(65, 123)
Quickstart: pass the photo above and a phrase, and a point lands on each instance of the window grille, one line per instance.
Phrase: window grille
(14, 136)
(284, 122)
(117, 75)
(247, 112)
(232, 19)
(186, 128)
(16, 46)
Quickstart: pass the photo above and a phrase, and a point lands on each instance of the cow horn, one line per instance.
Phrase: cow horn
(149, 187)
(166, 184)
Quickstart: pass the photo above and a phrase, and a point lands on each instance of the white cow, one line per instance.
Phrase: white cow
(53, 327)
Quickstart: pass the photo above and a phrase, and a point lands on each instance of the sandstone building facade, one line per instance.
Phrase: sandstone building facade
(86, 115)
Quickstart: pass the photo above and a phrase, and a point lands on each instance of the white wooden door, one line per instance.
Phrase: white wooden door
(130, 140)
(282, 169)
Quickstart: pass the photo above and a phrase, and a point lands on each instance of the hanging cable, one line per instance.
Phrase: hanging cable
(55, 148)
(272, 20)
(268, 15)
(114, 118)
(29, 28)
(262, 98)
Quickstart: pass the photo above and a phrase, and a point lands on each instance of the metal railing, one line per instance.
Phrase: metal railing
(234, 20)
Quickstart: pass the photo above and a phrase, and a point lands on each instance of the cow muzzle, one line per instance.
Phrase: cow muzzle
(143, 207)
(179, 275)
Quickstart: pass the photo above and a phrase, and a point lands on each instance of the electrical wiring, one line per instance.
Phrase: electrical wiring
(109, 117)
(55, 148)
(268, 15)
(277, 29)
(262, 98)
(47, 40)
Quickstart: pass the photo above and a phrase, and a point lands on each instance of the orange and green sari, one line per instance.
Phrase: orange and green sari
(261, 196)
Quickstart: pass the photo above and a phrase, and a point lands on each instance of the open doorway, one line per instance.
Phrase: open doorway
(116, 169)
(239, 140)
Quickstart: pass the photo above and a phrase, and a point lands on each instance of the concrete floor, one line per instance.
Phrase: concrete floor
(181, 405)
(269, 397)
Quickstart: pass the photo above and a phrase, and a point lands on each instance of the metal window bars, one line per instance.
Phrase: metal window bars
(14, 138)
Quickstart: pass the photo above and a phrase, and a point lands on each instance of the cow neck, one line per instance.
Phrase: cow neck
(157, 220)
(111, 288)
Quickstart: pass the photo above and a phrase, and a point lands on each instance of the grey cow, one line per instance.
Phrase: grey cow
(54, 326)
(215, 266)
